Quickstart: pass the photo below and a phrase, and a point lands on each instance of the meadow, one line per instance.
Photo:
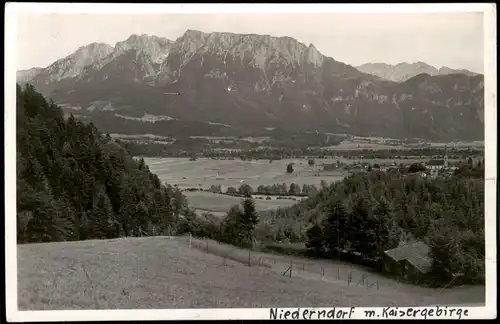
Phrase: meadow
(163, 272)
(204, 172)
(213, 202)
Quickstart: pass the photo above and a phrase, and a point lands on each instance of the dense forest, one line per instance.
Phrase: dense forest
(373, 212)
(73, 183)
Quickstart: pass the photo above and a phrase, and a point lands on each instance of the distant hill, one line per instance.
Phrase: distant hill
(404, 71)
(24, 76)
(252, 82)
(73, 183)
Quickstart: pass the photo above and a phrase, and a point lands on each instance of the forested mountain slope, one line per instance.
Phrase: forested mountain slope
(374, 212)
(73, 183)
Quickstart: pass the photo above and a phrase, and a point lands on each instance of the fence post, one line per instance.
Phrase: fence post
(207, 246)
(303, 266)
(291, 262)
(249, 259)
(338, 273)
(349, 278)
(322, 272)
(377, 284)
(190, 238)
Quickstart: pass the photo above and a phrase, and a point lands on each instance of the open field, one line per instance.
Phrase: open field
(251, 139)
(206, 172)
(214, 202)
(164, 272)
(353, 145)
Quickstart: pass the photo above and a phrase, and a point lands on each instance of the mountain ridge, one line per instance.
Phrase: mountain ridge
(404, 71)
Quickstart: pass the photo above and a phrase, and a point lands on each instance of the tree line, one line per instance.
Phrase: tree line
(269, 190)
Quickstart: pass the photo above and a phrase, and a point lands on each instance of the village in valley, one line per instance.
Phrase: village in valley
(439, 166)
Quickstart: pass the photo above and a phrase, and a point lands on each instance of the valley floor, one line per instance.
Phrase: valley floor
(163, 272)
(221, 203)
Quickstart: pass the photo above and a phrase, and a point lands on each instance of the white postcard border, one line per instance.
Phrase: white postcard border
(13, 9)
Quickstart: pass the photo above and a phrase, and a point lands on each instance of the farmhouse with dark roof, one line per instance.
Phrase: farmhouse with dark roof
(410, 262)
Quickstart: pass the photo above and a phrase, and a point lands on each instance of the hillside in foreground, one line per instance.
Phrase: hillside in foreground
(159, 272)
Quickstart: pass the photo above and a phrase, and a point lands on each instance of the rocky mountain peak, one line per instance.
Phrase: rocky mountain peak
(262, 48)
(91, 53)
(422, 64)
(193, 36)
(73, 64)
(156, 47)
(313, 56)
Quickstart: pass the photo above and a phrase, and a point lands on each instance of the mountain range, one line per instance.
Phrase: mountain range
(250, 82)
(404, 71)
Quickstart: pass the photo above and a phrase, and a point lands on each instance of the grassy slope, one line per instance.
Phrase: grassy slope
(165, 273)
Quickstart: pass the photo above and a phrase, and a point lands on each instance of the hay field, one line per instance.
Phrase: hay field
(213, 202)
(206, 172)
(159, 272)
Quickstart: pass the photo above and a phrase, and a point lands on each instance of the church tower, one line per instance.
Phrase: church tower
(445, 156)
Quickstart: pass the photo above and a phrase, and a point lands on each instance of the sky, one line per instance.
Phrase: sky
(440, 39)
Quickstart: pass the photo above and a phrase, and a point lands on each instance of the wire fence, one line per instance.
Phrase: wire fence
(289, 267)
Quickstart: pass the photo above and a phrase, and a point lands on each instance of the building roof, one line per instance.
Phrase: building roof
(416, 253)
(435, 162)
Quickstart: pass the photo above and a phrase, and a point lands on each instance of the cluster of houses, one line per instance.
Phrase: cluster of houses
(433, 167)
